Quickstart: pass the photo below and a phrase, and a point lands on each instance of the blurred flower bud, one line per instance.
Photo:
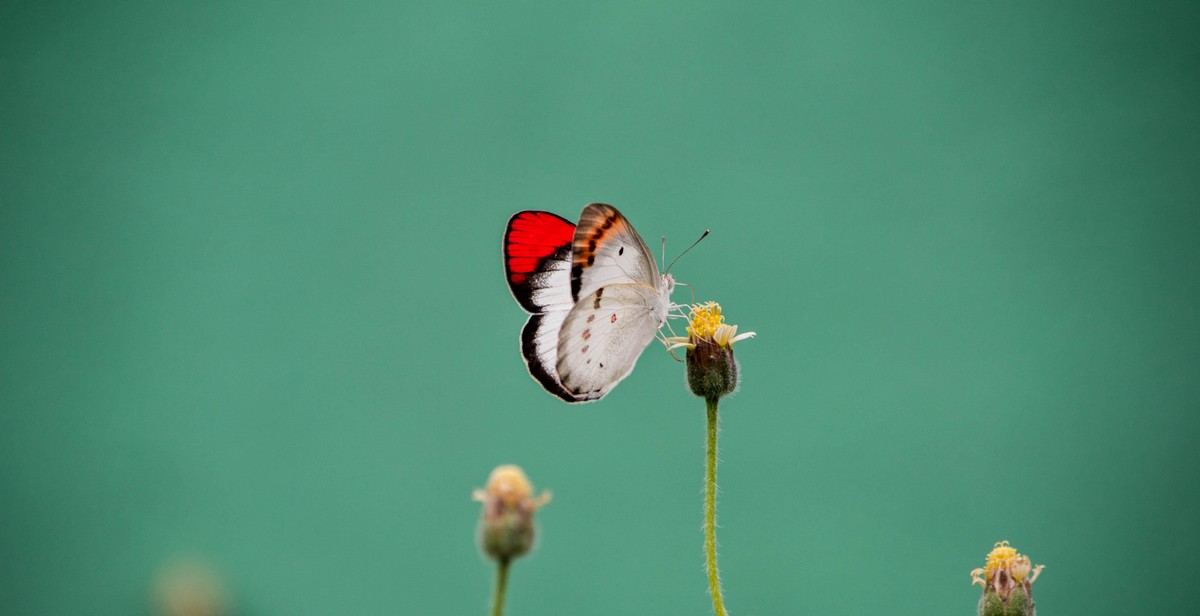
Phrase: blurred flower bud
(189, 588)
(506, 528)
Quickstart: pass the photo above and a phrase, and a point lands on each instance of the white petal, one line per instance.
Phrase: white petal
(742, 337)
(723, 334)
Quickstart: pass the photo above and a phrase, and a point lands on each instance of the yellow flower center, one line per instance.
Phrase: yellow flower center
(1001, 557)
(706, 318)
(1005, 558)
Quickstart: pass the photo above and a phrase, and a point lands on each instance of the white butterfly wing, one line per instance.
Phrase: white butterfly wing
(606, 250)
(603, 335)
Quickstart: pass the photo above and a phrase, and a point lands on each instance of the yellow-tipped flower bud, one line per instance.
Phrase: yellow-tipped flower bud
(711, 370)
(1007, 580)
(506, 528)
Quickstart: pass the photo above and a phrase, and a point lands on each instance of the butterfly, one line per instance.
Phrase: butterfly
(594, 293)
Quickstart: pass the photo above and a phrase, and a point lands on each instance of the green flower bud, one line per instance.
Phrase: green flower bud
(712, 372)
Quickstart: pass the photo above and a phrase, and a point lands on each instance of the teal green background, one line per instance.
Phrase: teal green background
(252, 310)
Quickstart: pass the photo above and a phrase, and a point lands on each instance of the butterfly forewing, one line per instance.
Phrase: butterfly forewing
(537, 260)
(607, 250)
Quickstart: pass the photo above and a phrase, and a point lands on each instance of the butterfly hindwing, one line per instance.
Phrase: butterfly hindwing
(607, 250)
(539, 348)
(602, 337)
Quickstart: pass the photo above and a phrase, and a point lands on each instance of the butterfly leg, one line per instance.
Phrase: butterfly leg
(670, 344)
(668, 324)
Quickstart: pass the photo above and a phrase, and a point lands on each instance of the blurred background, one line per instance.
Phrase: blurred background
(252, 311)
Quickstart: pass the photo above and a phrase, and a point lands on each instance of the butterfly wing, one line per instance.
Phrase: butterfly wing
(537, 260)
(607, 250)
(603, 335)
(618, 308)
(537, 266)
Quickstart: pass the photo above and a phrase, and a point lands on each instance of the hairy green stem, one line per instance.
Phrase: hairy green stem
(501, 586)
(710, 511)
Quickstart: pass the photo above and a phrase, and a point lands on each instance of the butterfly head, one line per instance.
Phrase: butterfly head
(666, 285)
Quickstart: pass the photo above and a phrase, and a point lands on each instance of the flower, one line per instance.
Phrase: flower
(1004, 558)
(1006, 578)
(711, 369)
(706, 323)
(506, 528)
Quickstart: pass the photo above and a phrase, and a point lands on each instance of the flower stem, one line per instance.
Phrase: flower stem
(501, 586)
(710, 511)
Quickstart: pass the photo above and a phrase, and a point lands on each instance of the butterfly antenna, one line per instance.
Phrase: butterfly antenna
(664, 252)
(689, 248)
